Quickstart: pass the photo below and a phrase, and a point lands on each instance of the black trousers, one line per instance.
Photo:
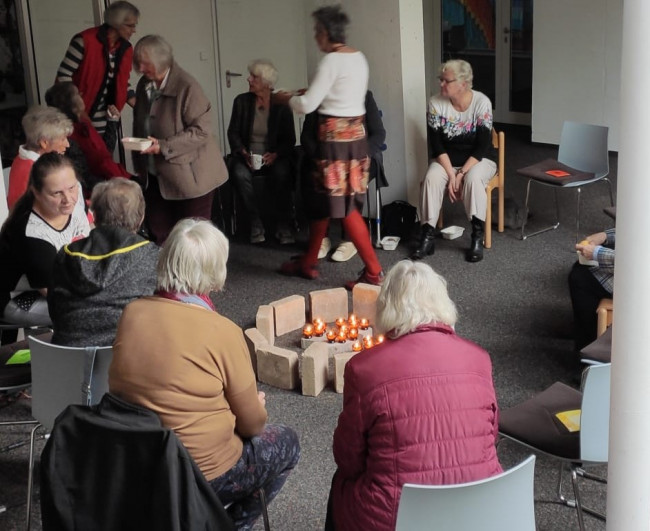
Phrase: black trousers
(586, 293)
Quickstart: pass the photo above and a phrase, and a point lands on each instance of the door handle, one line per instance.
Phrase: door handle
(229, 75)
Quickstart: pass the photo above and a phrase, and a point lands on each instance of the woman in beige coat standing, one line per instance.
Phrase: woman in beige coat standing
(184, 165)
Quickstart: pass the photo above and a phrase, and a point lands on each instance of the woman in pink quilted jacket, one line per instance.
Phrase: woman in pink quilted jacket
(419, 408)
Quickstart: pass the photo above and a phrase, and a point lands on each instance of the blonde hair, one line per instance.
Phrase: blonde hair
(193, 259)
(462, 71)
(413, 294)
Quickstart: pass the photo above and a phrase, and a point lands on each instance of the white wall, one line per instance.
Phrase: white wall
(576, 66)
(391, 35)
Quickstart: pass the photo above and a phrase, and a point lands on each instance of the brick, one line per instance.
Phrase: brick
(339, 367)
(265, 322)
(315, 362)
(328, 304)
(255, 340)
(277, 367)
(364, 301)
(289, 314)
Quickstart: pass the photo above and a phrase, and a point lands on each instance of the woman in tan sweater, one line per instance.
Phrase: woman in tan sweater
(174, 354)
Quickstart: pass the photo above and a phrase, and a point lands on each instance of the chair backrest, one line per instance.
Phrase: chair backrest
(584, 147)
(60, 375)
(501, 502)
(594, 416)
(4, 184)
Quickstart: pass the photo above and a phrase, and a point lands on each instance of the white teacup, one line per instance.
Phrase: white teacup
(256, 161)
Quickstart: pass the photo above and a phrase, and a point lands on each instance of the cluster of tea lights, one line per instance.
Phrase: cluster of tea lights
(345, 329)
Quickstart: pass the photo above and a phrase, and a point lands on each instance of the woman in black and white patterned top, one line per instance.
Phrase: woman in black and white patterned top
(50, 214)
(460, 134)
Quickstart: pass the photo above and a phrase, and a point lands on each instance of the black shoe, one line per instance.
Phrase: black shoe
(475, 251)
(427, 242)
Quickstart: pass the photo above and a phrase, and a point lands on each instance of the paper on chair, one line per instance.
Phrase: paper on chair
(570, 419)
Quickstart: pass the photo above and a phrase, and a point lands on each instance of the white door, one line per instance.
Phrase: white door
(252, 29)
(496, 38)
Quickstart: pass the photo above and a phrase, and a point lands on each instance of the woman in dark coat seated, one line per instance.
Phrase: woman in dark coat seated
(260, 128)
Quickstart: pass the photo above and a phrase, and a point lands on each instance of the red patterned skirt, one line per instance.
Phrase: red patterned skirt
(343, 163)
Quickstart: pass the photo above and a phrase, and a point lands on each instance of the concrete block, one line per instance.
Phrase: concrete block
(339, 367)
(265, 322)
(289, 314)
(328, 304)
(255, 340)
(364, 301)
(315, 362)
(277, 367)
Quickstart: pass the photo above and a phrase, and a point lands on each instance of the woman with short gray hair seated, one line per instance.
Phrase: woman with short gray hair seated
(94, 278)
(260, 128)
(176, 355)
(46, 129)
(418, 408)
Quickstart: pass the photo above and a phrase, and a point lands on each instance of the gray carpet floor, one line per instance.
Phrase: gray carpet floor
(515, 304)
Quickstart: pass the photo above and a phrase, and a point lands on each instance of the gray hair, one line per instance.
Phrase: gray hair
(413, 294)
(118, 202)
(193, 259)
(45, 123)
(333, 20)
(264, 69)
(462, 70)
(157, 49)
(116, 13)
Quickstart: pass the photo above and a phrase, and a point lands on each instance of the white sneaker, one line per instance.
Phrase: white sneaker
(325, 247)
(257, 232)
(344, 252)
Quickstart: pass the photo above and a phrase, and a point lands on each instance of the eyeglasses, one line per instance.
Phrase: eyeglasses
(445, 81)
(131, 26)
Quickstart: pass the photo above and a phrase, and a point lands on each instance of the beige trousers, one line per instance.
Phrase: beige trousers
(434, 186)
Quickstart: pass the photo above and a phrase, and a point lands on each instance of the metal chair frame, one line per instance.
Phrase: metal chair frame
(583, 147)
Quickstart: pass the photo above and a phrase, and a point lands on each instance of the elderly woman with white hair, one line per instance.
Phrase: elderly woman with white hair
(98, 62)
(260, 127)
(46, 130)
(183, 166)
(418, 408)
(460, 134)
(176, 355)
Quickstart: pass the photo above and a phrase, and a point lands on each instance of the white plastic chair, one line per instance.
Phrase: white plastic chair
(582, 147)
(62, 376)
(534, 424)
(501, 502)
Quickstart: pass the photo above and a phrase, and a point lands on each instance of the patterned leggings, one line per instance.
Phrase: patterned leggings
(266, 462)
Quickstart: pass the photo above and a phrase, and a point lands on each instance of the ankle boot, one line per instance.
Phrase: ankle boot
(427, 242)
(475, 251)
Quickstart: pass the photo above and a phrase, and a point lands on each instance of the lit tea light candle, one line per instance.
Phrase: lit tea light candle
(363, 324)
(340, 321)
(319, 329)
(343, 329)
(308, 331)
(331, 335)
(319, 321)
(356, 346)
(341, 338)
(352, 320)
(353, 333)
(379, 339)
(367, 342)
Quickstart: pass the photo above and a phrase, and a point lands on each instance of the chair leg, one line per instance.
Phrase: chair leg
(488, 221)
(378, 203)
(576, 503)
(578, 215)
(30, 478)
(546, 229)
(611, 193)
(265, 512)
